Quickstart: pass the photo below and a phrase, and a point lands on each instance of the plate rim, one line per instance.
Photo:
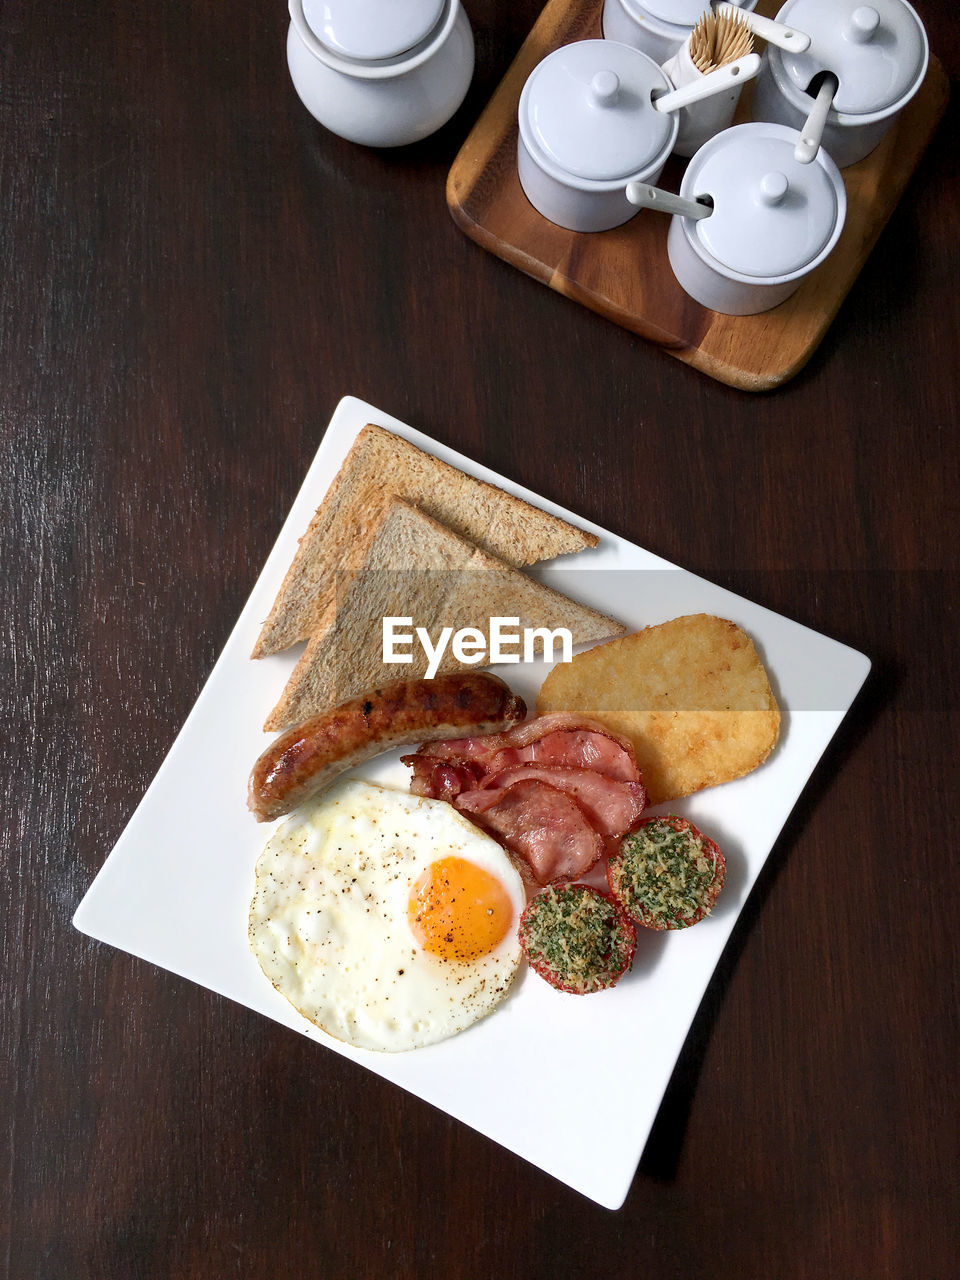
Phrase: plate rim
(349, 416)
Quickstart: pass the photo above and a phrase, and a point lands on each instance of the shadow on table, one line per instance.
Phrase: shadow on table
(662, 1152)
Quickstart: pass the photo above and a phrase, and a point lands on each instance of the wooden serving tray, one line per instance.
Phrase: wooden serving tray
(624, 274)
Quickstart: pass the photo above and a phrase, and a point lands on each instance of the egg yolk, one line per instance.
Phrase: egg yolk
(457, 910)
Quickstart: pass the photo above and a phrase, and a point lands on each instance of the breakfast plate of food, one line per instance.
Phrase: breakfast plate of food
(474, 794)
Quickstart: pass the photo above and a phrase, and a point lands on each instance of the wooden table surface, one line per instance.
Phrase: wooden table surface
(193, 274)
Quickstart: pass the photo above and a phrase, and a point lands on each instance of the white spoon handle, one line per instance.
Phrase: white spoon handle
(777, 33)
(734, 73)
(647, 197)
(808, 144)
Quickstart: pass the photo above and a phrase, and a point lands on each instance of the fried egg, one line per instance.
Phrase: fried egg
(386, 919)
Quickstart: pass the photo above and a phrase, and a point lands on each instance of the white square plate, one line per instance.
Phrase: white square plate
(193, 826)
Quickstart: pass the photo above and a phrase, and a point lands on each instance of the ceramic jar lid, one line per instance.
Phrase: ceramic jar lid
(772, 216)
(685, 13)
(682, 13)
(371, 30)
(878, 50)
(588, 108)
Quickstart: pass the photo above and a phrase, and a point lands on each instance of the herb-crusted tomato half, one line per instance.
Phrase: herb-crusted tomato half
(577, 938)
(666, 874)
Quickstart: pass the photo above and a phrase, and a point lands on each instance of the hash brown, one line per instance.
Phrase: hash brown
(691, 695)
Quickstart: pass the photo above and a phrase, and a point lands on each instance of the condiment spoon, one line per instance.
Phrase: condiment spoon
(713, 82)
(647, 197)
(777, 33)
(811, 134)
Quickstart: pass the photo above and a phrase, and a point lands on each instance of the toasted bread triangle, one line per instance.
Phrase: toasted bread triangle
(454, 584)
(380, 466)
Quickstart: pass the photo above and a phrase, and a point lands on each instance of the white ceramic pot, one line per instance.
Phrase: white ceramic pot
(879, 52)
(588, 126)
(380, 72)
(657, 27)
(774, 219)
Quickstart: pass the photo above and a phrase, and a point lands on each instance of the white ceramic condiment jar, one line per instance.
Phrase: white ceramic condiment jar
(774, 219)
(380, 72)
(588, 127)
(657, 27)
(879, 53)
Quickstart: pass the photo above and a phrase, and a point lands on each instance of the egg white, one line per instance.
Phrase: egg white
(328, 920)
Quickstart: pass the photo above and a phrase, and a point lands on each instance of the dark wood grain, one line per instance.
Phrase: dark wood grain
(193, 273)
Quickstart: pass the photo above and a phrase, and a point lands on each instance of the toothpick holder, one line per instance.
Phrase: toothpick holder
(701, 120)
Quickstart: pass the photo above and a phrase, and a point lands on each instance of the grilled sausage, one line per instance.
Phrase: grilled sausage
(306, 759)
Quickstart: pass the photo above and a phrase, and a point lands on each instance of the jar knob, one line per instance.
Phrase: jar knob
(863, 24)
(773, 187)
(605, 88)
